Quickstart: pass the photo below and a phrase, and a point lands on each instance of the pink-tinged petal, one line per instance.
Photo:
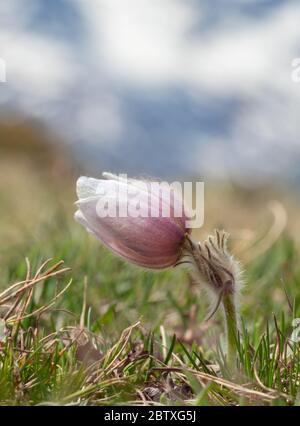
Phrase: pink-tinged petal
(152, 242)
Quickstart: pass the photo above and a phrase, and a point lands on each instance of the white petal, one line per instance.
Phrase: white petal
(87, 187)
(122, 178)
(80, 218)
(108, 175)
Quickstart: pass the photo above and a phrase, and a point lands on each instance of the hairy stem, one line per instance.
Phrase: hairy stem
(231, 319)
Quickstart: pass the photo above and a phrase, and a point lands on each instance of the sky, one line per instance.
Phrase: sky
(167, 88)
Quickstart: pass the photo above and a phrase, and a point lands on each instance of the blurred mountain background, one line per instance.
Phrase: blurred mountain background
(176, 89)
(171, 89)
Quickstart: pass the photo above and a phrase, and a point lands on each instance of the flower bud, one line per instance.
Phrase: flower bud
(118, 211)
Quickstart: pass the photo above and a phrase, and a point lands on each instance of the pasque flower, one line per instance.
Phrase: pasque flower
(128, 217)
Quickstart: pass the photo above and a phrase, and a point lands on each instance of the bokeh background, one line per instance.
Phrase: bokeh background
(166, 87)
(175, 89)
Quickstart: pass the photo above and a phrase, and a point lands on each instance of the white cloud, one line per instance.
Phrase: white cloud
(250, 55)
(138, 41)
(154, 42)
(36, 67)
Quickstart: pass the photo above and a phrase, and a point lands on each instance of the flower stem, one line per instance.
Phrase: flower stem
(231, 330)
